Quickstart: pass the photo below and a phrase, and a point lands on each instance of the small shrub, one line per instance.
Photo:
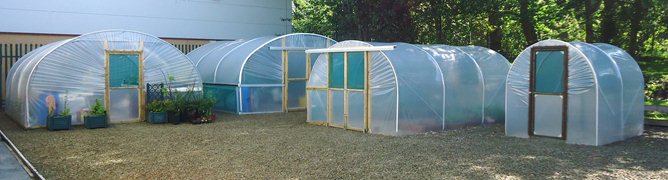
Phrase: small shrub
(98, 109)
(156, 106)
(657, 89)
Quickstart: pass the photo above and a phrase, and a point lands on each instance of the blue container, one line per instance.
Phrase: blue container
(59, 123)
(157, 117)
(97, 121)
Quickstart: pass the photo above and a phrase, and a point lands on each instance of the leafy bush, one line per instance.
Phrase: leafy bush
(657, 89)
(97, 109)
(156, 106)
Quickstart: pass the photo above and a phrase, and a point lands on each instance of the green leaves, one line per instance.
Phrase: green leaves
(466, 22)
(97, 108)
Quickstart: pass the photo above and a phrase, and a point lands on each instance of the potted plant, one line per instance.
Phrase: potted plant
(187, 105)
(204, 109)
(97, 117)
(61, 121)
(157, 113)
(174, 110)
(210, 102)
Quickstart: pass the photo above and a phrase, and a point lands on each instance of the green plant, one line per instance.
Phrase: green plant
(169, 105)
(156, 106)
(206, 104)
(167, 91)
(657, 89)
(97, 109)
(66, 109)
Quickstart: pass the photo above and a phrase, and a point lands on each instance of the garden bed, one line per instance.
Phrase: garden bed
(283, 146)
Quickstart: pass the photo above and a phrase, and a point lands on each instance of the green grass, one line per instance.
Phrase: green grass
(656, 115)
(656, 103)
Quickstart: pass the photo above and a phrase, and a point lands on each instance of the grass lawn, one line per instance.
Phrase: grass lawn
(656, 103)
(281, 146)
(656, 115)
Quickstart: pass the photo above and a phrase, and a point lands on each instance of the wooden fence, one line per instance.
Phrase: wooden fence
(10, 53)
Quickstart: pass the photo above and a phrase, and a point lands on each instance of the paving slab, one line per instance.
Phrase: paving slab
(10, 166)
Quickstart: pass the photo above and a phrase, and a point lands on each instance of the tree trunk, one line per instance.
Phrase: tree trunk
(438, 18)
(638, 14)
(528, 25)
(495, 21)
(608, 26)
(589, 16)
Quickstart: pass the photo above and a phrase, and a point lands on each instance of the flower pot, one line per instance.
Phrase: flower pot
(157, 117)
(95, 121)
(59, 123)
(173, 117)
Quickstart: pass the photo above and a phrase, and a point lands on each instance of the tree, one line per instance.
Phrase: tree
(494, 18)
(608, 26)
(590, 8)
(507, 26)
(527, 21)
(636, 18)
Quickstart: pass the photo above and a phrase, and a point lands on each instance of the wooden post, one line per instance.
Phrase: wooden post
(345, 90)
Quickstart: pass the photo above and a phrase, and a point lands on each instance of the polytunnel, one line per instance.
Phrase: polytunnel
(260, 75)
(111, 66)
(589, 94)
(399, 88)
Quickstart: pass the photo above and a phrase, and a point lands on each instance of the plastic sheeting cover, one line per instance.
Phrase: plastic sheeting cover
(633, 96)
(259, 62)
(595, 113)
(75, 68)
(494, 69)
(419, 88)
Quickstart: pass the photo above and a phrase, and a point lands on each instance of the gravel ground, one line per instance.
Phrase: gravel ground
(280, 146)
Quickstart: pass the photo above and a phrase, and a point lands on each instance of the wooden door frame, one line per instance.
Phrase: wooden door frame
(532, 89)
(366, 92)
(140, 86)
(286, 79)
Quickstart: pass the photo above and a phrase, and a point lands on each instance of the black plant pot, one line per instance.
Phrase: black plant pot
(189, 116)
(59, 123)
(173, 117)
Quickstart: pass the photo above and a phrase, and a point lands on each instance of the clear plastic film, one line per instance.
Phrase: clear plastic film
(414, 89)
(259, 62)
(596, 112)
(609, 87)
(464, 86)
(633, 95)
(494, 68)
(75, 68)
(420, 89)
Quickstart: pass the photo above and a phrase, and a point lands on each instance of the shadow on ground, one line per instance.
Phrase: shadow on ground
(283, 146)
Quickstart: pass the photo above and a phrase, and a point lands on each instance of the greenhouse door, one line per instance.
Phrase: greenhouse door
(548, 91)
(295, 83)
(347, 95)
(124, 82)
